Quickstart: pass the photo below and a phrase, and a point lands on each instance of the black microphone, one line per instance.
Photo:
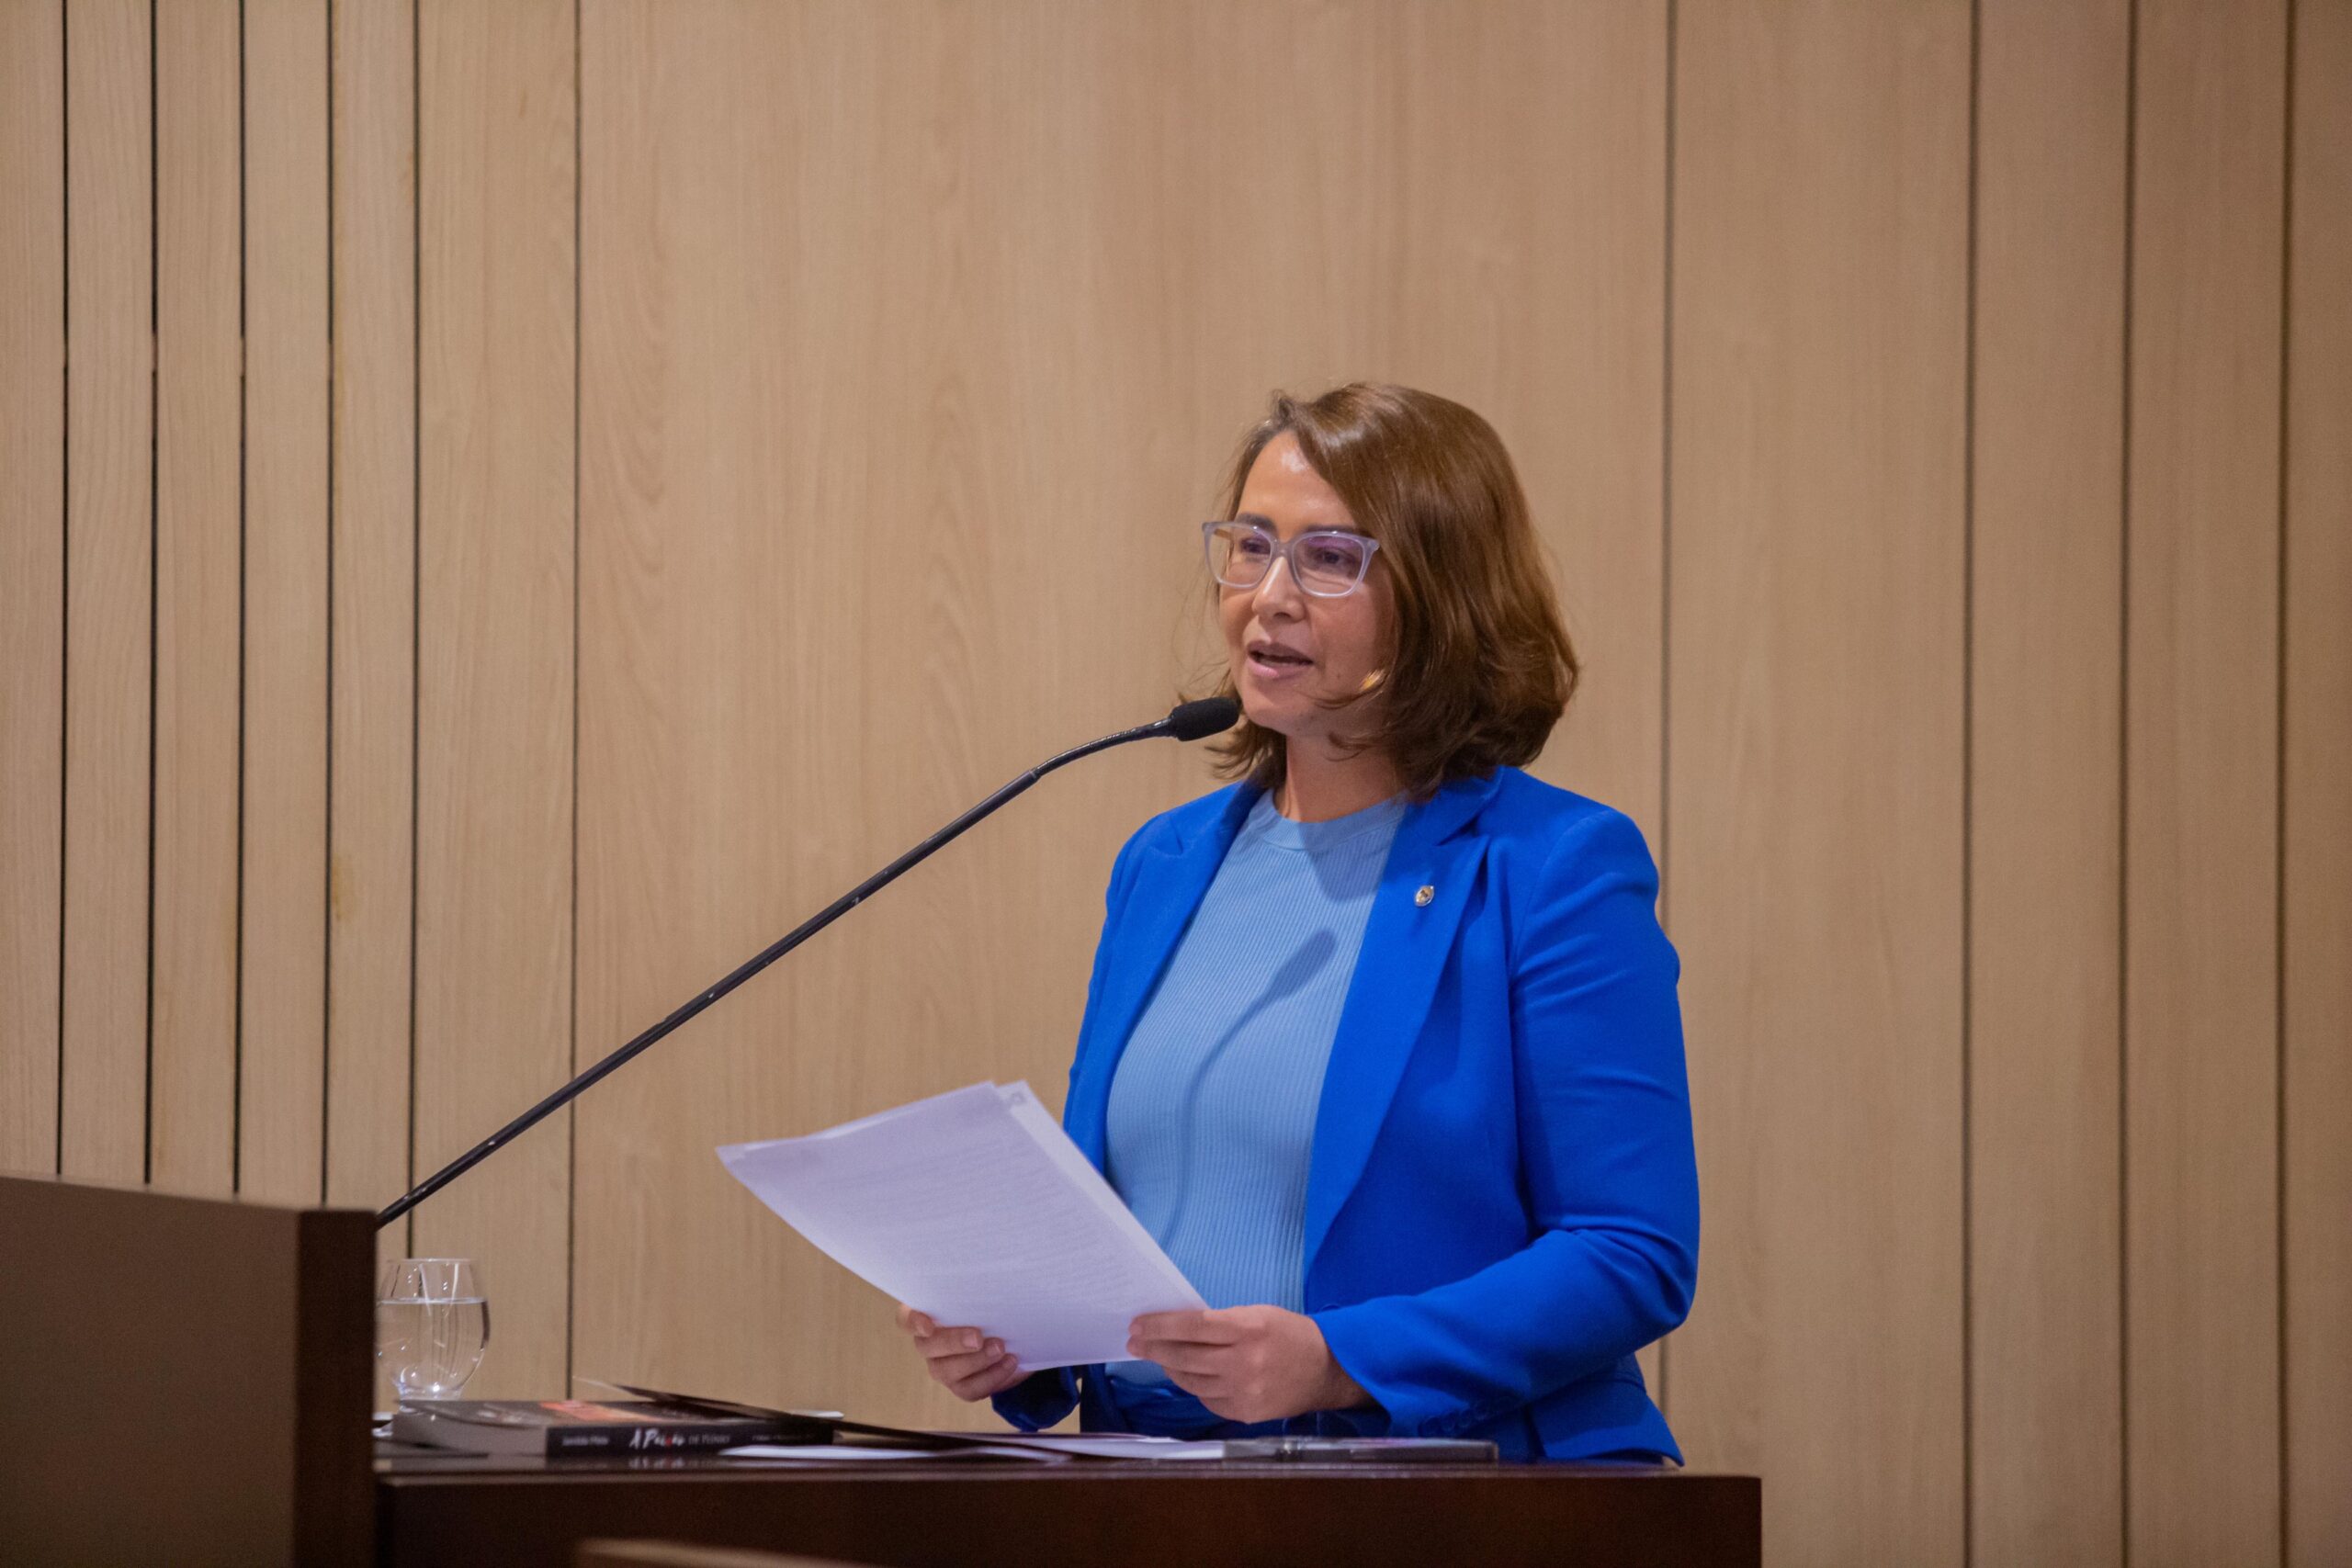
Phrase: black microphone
(1187, 721)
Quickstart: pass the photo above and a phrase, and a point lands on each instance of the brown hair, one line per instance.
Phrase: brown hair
(1478, 667)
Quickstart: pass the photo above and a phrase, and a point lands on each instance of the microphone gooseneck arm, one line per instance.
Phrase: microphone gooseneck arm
(1188, 721)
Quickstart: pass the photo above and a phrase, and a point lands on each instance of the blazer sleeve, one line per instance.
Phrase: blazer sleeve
(1610, 1176)
(1039, 1400)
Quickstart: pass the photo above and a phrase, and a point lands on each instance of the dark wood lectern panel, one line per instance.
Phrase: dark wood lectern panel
(182, 1379)
(909, 1515)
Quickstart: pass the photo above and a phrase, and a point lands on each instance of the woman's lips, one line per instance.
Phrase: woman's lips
(1266, 669)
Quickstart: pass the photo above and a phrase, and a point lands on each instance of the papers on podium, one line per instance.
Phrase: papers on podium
(975, 1208)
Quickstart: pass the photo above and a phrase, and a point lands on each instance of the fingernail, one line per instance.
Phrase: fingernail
(996, 1347)
(971, 1341)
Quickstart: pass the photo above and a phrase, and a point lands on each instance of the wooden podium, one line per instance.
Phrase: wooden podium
(183, 1380)
(910, 1514)
(187, 1380)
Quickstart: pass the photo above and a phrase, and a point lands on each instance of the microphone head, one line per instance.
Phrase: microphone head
(1210, 715)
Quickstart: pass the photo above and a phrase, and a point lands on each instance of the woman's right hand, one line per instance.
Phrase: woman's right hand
(964, 1362)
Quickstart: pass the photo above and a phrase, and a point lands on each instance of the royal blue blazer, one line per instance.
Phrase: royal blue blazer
(1502, 1203)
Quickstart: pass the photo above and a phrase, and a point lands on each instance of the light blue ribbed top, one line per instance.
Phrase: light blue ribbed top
(1212, 1111)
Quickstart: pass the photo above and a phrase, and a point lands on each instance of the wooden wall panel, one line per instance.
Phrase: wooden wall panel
(495, 639)
(199, 593)
(1814, 759)
(374, 652)
(282, 984)
(2201, 715)
(1537, 189)
(771, 555)
(2317, 1093)
(32, 572)
(1532, 163)
(2045, 850)
(1003, 311)
(110, 621)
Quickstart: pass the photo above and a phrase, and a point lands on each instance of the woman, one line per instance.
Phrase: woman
(1381, 1042)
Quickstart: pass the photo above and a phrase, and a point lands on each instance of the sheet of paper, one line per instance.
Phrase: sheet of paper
(821, 1453)
(975, 1207)
(1118, 1445)
(866, 1453)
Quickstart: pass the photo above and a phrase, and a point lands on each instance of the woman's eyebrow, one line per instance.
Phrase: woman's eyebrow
(1268, 524)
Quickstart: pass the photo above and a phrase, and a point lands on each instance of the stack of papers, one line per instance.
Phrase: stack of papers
(1039, 1448)
(975, 1207)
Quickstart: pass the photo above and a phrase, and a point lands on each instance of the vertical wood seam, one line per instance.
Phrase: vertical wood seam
(1666, 564)
(64, 530)
(155, 574)
(326, 865)
(417, 530)
(237, 981)
(572, 1113)
(2278, 780)
(2123, 804)
(1968, 818)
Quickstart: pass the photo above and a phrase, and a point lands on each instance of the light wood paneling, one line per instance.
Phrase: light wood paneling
(191, 1145)
(110, 621)
(494, 961)
(371, 808)
(2045, 848)
(2317, 1094)
(2201, 716)
(1013, 293)
(1526, 199)
(800, 436)
(282, 1083)
(1820, 320)
(32, 572)
(1533, 265)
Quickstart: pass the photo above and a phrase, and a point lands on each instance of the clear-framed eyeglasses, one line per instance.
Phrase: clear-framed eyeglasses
(1329, 563)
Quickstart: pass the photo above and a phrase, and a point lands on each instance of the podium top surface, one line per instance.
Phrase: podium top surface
(971, 1514)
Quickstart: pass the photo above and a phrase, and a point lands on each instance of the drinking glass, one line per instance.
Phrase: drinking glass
(432, 1324)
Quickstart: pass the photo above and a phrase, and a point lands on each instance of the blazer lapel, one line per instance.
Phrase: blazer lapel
(1405, 943)
(1167, 891)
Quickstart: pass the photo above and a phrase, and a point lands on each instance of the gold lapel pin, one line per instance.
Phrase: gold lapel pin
(1421, 899)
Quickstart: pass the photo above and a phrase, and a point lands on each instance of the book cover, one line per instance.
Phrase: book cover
(577, 1427)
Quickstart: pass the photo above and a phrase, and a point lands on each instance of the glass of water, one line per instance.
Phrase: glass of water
(432, 1326)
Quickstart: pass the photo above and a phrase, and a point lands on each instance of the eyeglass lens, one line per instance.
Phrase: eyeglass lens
(1328, 564)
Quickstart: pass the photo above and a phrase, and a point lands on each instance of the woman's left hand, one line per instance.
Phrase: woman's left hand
(1250, 1363)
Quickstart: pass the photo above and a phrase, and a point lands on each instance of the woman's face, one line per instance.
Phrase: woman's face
(1291, 651)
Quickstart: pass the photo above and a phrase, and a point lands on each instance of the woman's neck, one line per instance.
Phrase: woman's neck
(1318, 785)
